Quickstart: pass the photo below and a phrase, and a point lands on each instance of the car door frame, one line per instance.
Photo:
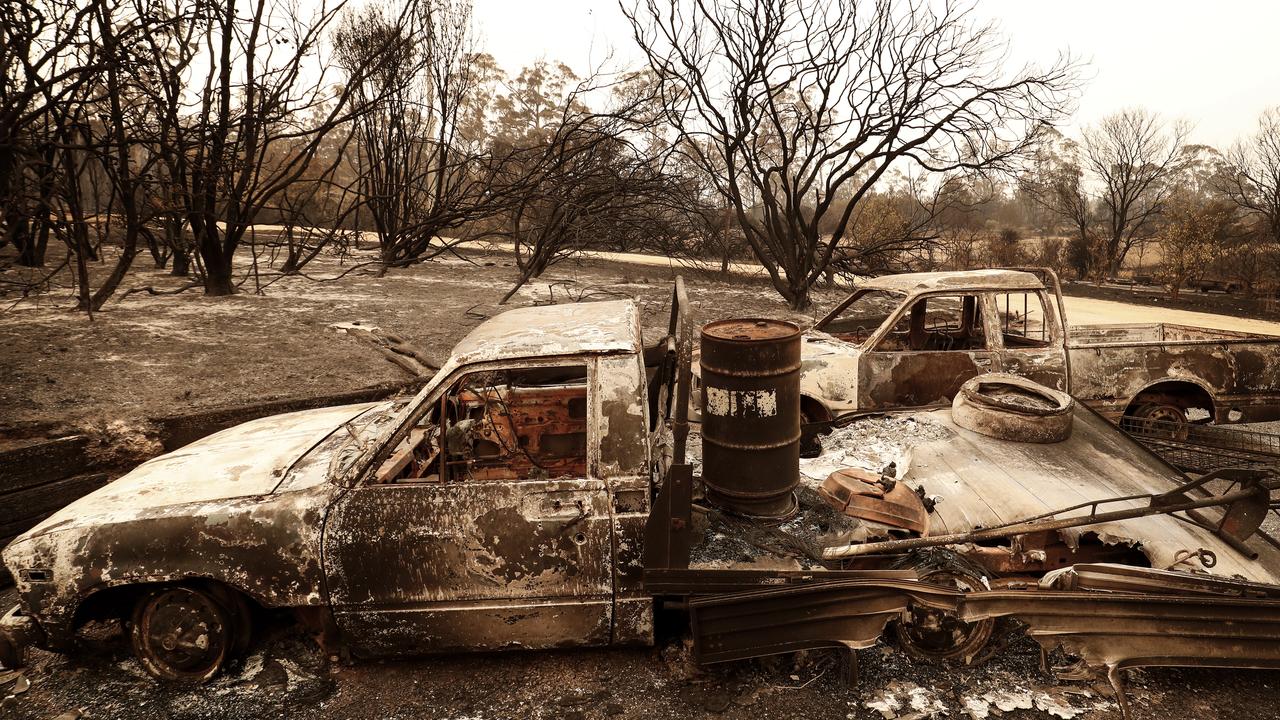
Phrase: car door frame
(882, 381)
(393, 605)
(1048, 365)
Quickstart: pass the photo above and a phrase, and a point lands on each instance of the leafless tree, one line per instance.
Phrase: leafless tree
(1132, 155)
(424, 169)
(586, 187)
(1055, 182)
(257, 119)
(808, 105)
(1252, 177)
(72, 115)
(44, 61)
(895, 229)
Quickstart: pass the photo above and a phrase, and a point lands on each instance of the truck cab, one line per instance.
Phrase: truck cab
(517, 485)
(912, 340)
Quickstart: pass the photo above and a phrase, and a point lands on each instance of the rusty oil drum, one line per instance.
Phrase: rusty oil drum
(751, 415)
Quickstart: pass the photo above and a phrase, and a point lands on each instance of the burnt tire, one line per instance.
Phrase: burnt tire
(938, 635)
(185, 633)
(241, 618)
(1011, 407)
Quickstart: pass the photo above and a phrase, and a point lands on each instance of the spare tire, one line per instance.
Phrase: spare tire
(1011, 407)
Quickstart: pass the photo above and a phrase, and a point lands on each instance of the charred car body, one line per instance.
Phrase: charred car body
(537, 494)
(911, 340)
(500, 507)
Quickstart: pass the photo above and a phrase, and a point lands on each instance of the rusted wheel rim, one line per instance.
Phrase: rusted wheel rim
(181, 634)
(940, 635)
(1163, 421)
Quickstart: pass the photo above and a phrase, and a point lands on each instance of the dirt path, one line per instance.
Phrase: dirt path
(1080, 310)
(1088, 311)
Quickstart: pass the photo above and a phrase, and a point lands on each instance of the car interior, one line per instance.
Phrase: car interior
(499, 425)
(938, 323)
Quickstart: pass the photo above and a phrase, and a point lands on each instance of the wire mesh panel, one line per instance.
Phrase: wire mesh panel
(1204, 448)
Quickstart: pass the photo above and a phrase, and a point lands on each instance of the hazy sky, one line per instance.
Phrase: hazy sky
(1215, 63)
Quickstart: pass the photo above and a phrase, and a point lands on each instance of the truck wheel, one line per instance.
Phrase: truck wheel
(1160, 420)
(183, 634)
(935, 634)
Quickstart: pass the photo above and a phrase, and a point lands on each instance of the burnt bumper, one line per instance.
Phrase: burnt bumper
(18, 630)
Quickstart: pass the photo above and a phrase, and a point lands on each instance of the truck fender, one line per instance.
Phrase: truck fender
(1192, 389)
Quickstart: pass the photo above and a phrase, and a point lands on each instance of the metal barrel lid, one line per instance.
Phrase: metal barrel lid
(750, 330)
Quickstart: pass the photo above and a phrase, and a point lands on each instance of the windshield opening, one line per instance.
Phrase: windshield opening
(863, 316)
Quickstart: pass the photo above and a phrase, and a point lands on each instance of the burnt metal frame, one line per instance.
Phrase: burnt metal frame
(986, 311)
(1255, 484)
(1204, 448)
(667, 529)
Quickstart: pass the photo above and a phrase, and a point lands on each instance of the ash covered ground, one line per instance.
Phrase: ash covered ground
(285, 676)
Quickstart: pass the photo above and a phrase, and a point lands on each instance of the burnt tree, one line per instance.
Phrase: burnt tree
(1252, 178)
(1133, 157)
(423, 170)
(808, 105)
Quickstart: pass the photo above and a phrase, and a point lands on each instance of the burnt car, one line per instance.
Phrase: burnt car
(500, 507)
(911, 340)
(537, 493)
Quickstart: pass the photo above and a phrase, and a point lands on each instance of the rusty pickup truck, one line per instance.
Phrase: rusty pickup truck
(538, 493)
(911, 340)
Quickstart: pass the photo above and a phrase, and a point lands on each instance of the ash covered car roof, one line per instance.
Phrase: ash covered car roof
(550, 330)
(927, 281)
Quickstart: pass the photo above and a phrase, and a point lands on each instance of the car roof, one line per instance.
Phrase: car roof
(552, 330)
(993, 279)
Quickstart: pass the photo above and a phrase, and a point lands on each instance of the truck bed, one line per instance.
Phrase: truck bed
(1218, 375)
(1157, 333)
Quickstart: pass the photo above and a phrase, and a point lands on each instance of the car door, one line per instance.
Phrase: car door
(1030, 338)
(494, 534)
(927, 351)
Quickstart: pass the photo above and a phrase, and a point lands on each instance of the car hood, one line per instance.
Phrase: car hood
(818, 344)
(976, 481)
(247, 460)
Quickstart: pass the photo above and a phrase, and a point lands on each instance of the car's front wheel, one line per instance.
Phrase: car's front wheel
(185, 633)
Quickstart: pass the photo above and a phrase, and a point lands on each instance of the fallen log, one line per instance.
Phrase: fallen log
(396, 349)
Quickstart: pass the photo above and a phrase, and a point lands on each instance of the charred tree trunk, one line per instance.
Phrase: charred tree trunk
(160, 252)
(290, 265)
(178, 248)
(181, 262)
(30, 253)
(217, 278)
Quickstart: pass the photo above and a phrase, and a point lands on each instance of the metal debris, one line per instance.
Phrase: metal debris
(877, 499)
(872, 442)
